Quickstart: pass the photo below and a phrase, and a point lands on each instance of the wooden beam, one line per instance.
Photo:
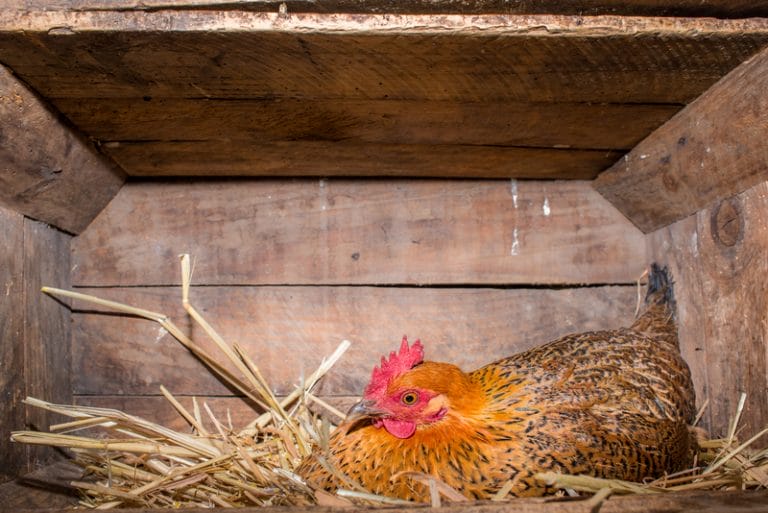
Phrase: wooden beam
(13, 458)
(266, 120)
(712, 149)
(46, 171)
(717, 259)
(238, 54)
(320, 158)
(336, 231)
(465, 326)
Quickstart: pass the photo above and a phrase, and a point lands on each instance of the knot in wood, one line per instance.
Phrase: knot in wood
(727, 223)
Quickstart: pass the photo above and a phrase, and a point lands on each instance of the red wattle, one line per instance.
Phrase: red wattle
(399, 428)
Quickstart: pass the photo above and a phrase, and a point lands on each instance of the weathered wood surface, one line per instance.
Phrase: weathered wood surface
(234, 56)
(46, 171)
(418, 232)
(716, 8)
(694, 502)
(711, 150)
(47, 327)
(717, 258)
(319, 158)
(288, 330)
(34, 333)
(12, 414)
(42, 489)
(541, 125)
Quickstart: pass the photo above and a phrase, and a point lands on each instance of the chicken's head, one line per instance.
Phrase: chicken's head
(405, 392)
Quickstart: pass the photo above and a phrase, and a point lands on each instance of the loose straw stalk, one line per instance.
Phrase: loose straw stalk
(145, 464)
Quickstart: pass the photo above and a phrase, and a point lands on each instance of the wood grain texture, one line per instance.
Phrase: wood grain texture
(694, 502)
(46, 171)
(716, 8)
(288, 330)
(236, 54)
(717, 258)
(417, 232)
(265, 120)
(47, 342)
(253, 158)
(42, 489)
(12, 414)
(712, 149)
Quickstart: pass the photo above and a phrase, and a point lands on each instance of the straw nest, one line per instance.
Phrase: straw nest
(129, 461)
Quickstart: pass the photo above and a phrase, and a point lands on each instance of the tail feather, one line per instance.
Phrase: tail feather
(657, 318)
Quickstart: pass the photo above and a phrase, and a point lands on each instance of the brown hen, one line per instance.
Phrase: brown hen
(612, 404)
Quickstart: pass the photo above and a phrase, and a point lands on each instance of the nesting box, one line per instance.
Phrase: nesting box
(483, 176)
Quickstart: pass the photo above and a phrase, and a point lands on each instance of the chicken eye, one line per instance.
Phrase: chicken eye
(409, 398)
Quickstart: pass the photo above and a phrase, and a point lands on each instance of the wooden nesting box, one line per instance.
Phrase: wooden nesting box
(483, 175)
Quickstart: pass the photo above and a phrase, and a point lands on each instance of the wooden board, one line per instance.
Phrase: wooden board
(414, 232)
(268, 120)
(47, 327)
(609, 77)
(288, 330)
(718, 262)
(46, 171)
(717, 8)
(252, 158)
(713, 149)
(694, 502)
(12, 414)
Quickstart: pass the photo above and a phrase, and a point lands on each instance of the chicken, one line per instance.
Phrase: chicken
(612, 404)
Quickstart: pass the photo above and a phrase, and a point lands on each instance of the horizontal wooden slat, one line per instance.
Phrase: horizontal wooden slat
(712, 149)
(254, 122)
(359, 232)
(288, 330)
(236, 54)
(46, 171)
(253, 158)
(718, 8)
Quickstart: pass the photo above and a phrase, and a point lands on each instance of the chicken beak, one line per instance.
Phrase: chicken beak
(363, 409)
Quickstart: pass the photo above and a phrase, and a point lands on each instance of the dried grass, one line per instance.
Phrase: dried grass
(131, 462)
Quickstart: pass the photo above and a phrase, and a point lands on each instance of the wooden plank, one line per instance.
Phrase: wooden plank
(46, 171)
(253, 158)
(711, 150)
(12, 414)
(236, 54)
(715, 8)
(699, 502)
(41, 489)
(548, 125)
(121, 355)
(47, 327)
(718, 262)
(359, 232)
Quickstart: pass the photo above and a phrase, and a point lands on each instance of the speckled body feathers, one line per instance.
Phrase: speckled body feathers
(612, 404)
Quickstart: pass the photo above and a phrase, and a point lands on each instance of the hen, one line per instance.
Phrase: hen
(612, 404)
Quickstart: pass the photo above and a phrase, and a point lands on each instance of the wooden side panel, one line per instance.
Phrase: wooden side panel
(359, 232)
(46, 171)
(288, 330)
(712, 149)
(47, 341)
(718, 261)
(12, 413)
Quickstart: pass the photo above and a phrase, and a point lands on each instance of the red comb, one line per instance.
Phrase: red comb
(398, 363)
